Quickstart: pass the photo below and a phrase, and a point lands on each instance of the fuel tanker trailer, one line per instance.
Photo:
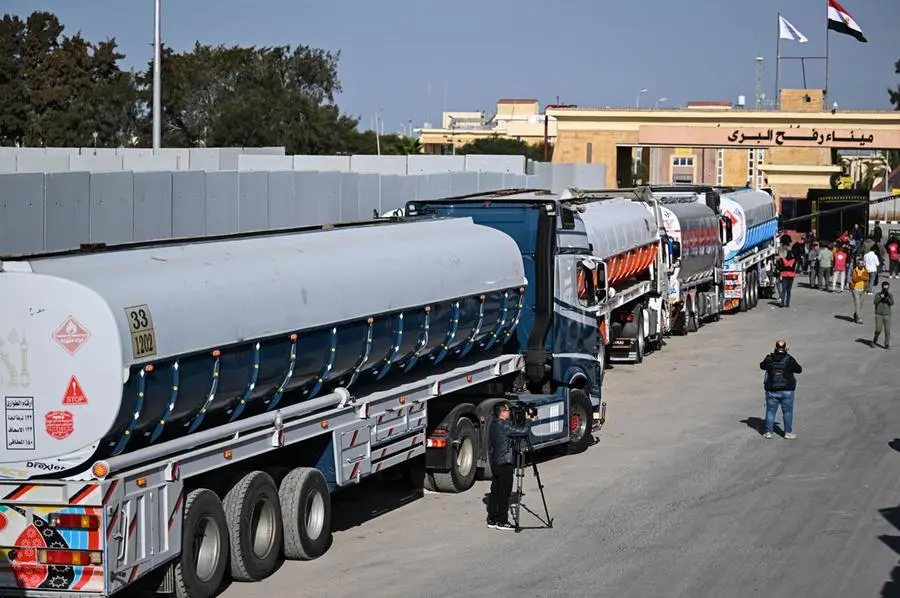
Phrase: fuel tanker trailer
(622, 229)
(751, 252)
(749, 225)
(186, 407)
(692, 239)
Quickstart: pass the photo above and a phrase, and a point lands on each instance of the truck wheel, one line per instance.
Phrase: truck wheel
(306, 512)
(463, 467)
(639, 341)
(201, 567)
(253, 512)
(580, 415)
(745, 294)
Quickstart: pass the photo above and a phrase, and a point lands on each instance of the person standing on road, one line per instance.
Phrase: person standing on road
(883, 303)
(812, 259)
(872, 262)
(893, 250)
(877, 233)
(503, 458)
(840, 270)
(787, 270)
(780, 384)
(859, 280)
(826, 263)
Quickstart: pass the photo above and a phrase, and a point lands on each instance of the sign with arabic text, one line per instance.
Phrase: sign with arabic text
(790, 136)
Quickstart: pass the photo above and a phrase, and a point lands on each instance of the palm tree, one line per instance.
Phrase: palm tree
(410, 145)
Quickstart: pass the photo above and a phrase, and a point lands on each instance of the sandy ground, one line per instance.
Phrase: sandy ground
(681, 495)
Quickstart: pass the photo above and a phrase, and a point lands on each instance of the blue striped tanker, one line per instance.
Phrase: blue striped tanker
(136, 346)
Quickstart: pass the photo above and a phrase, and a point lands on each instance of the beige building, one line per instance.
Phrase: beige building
(789, 150)
(514, 119)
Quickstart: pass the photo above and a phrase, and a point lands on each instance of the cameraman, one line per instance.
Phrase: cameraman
(503, 458)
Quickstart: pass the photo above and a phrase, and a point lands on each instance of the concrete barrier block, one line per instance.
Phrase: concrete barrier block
(152, 205)
(494, 163)
(149, 162)
(21, 213)
(188, 204)
(112, 207)
(108, 162)
(203, 158)
(222, 203)
(282, 210)
(426, 164)
(322, 163)
(249, 163)
(378, 164)
(253, 201)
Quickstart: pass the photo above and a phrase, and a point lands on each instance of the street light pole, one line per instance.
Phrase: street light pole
(659, 101)
(157, 77)
(637, 98)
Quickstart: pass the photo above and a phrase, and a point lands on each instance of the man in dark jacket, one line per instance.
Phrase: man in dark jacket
(883, 302)
(780, 385)
(503, 459)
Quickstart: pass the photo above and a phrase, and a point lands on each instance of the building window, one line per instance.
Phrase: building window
(720, 167)
(683, 161)
(755, 159)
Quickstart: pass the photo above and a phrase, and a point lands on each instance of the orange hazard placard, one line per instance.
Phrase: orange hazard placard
(74, 393)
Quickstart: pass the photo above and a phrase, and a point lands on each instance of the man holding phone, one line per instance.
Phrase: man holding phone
(883, 303)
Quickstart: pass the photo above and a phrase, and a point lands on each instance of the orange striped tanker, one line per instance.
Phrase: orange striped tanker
(622, 227)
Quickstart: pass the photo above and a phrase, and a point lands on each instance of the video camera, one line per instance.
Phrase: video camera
(519, 411)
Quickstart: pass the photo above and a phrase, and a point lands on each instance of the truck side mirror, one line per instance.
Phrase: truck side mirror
(727, 230)
(676, 250)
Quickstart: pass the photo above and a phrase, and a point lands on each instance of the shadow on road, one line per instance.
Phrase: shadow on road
(865, 341)
(374, 497)
(844, 318)
(891, 588)
(759, 425)
(895, 444)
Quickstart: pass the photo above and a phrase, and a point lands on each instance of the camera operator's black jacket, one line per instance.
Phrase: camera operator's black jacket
(502, 446)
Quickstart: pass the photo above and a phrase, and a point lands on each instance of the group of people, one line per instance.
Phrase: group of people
(852, 262)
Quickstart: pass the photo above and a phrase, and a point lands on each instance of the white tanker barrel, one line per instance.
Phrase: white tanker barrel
(754, 220)
(109, 352)
(696, 227)
(623, 233)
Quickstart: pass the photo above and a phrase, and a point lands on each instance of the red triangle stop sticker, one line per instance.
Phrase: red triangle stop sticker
(74, 394)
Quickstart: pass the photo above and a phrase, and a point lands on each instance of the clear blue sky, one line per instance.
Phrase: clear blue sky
(401, 55)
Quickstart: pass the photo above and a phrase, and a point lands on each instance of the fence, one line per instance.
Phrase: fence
(55, 211)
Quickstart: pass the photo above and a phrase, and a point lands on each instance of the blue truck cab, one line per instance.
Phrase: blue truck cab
(559, 331)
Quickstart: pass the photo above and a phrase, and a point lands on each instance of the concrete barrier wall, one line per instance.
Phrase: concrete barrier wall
(62, 210)
(44, 160)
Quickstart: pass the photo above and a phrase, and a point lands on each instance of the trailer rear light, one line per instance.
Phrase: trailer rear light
(435, 443)
(73, 521)
(48, 556)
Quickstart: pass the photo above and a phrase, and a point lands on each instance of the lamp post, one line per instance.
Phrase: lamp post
(660, 101)
(157, 76)
(637, 98)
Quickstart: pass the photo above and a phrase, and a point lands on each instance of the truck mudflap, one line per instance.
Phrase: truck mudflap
(51, 539)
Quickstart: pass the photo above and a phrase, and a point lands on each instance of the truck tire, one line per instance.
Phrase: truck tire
(200, 569)
(253, 512)
(640, 346)
(580, 418)
(463, 466)
(744, 304)
(306, 513)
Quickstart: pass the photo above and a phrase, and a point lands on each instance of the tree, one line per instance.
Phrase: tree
(504, 146)
(234, 96)
(57, 90)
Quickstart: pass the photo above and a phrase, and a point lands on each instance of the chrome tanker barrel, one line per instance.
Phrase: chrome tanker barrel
(623, 233)
(109, 352)
(696, 228)
(753, 218)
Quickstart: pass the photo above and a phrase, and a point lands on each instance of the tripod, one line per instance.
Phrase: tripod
(521, 464)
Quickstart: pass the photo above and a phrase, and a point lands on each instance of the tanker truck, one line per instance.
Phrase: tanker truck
(748, 235)
(180, 412)
(693, 232)
(609, 241)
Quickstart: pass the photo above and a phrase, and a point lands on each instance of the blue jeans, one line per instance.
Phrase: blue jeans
(786, 286)
(785, 398)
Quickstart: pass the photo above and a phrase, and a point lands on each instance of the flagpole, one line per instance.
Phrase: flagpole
(825, 91)
(777, 61)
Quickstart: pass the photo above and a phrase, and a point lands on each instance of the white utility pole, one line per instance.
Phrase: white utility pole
(157, 81)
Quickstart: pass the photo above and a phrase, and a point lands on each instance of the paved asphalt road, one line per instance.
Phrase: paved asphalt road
(681, 496)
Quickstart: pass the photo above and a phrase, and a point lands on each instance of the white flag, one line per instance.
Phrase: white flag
(788, 31)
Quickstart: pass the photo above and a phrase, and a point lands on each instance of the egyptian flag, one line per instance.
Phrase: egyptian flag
(840, 20)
